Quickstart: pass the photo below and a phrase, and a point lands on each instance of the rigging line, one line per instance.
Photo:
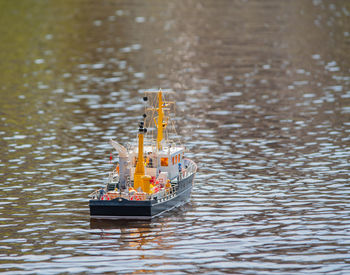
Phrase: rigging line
(176, 134)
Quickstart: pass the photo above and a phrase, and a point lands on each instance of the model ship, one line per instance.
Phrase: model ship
(152, 176)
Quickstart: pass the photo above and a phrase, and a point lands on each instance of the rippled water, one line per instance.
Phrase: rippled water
(263, 91)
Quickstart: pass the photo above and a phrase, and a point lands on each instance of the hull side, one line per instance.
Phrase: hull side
(184, 193)
(125, 209)
(119, 209)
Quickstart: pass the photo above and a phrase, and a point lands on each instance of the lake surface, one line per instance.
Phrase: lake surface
(263, 93)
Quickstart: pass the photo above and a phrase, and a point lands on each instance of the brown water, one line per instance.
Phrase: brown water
(263, 91)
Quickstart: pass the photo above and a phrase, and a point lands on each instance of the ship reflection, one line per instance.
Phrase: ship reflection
(118, 224)
(132, 234)
(141, 234)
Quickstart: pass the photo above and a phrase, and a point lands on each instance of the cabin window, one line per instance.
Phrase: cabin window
(176, 159)
(179, 157)
(164, 161)
(173, 160)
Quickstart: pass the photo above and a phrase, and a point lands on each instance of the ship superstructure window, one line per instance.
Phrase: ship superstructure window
(150, 162)
(164, 161)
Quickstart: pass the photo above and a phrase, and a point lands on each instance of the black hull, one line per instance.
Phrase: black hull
(120, 208)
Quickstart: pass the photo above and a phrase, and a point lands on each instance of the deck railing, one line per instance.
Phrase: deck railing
(188, 171)
(163, 194)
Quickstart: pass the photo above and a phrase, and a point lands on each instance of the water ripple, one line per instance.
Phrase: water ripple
(262, 108)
